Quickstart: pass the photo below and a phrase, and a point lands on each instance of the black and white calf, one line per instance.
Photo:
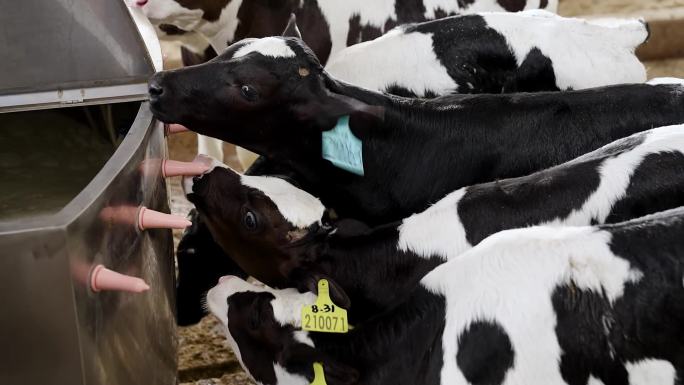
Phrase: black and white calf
(495, 53)
(273, 97)
(544, 305)
(278, 233)
(326, 25)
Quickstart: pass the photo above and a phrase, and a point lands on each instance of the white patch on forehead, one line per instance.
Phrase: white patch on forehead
(286, 306)
(267, 46)
(437, 231)
(594, 381)
(651, 372)
(606, 49)
(510, 278)
(297, 206)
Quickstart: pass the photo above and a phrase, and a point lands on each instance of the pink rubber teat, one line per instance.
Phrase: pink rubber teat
(143, 217)
(175, 168)
(174, 128)
(150, 219)
(101, 278)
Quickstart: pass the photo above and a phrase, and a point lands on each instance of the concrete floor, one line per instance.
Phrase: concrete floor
(204, 358)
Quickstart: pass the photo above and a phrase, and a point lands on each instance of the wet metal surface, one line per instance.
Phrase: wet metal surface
(60, 331)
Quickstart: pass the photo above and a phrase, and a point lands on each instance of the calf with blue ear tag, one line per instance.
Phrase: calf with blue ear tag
(273, 97)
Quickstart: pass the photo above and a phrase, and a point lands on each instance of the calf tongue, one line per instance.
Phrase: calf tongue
(101, 278)
(175, 168)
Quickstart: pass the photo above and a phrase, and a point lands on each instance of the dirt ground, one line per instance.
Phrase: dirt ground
(204, 357)
(609, 7)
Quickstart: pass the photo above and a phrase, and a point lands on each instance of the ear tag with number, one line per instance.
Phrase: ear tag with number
(324, 316)
(319, 374)
(342, 148)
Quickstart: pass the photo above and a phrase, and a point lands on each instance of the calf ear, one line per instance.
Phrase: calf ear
(324, 111)
(300, 358)
(292, 30)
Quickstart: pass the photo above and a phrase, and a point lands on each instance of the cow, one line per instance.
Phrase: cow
(489, 53)
(495, 52)
(326, 25)
(282, 236)
(385, 155)
(542, 305)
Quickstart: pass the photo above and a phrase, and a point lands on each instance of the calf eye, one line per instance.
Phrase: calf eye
(250, 221)
(249, 93)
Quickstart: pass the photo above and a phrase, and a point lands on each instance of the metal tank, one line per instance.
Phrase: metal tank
(78, 143)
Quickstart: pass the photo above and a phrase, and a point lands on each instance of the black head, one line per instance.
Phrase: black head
(268, 95)
(262, 328)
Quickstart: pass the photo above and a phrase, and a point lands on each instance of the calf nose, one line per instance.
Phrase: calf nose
(155, 89)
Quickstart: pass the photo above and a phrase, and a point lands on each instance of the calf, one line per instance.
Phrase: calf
(273, 97)
(281, 237)
(326, 25)
(545, 305)
(495, 53)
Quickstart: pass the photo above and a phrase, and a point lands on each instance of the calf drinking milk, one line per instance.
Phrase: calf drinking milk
(279, 234)
(545, 305)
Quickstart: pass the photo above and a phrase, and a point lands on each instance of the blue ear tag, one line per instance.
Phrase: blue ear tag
(342, 148)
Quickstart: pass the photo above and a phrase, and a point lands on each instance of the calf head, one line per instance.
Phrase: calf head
(268, 95)
(264, 223)
(262, 326)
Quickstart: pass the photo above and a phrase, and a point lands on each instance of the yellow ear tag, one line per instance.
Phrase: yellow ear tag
(319, 374)
(324, 316)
